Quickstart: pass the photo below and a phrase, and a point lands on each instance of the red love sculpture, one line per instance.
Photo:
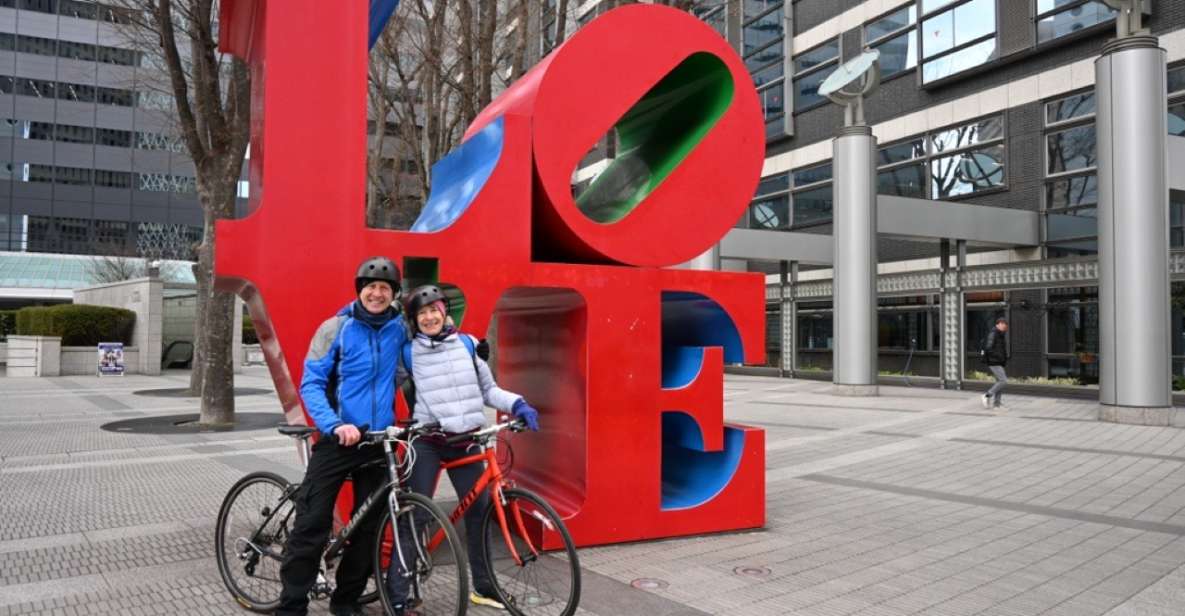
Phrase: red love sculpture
(623, 358)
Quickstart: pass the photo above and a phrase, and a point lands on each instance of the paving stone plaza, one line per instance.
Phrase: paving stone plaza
(916, 502)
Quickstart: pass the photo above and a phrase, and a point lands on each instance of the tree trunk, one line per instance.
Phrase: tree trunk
(216, 338)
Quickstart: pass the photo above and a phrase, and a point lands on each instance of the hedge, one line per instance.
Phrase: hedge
(7, 323)
(77, 324)
(249, 336)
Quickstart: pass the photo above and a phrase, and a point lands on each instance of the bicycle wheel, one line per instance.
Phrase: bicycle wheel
(253, 526)
(542, 583)
(438, 584)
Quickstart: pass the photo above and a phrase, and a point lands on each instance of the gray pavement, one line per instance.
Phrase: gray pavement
(916, 502)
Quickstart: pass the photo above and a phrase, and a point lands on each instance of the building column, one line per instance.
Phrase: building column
(952, 315)
(854, 280)
(708, 261)
(789, 310)
(1134, 318)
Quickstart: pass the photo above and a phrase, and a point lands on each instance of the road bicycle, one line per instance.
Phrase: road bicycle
(256, 517)
(528, 580)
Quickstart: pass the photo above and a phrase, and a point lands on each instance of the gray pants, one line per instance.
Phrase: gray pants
(996, 391)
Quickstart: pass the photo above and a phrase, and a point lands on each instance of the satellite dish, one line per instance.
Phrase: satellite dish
(849, 72)
(1130, 18)
(863, 71)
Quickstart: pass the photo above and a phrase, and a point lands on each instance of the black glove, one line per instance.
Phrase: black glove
(483, 349)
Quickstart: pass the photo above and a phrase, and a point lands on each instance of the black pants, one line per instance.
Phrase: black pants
(329, 466)
(429, 456)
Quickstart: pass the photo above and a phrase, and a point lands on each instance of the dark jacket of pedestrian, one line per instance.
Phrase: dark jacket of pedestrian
(995, 349)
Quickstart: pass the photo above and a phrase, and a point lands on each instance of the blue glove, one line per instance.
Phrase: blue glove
(527, 413)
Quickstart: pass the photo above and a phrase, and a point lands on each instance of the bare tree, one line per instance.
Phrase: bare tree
(436, 66)
(212, 94)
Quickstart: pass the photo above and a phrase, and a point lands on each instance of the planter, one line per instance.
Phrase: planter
(34, 356)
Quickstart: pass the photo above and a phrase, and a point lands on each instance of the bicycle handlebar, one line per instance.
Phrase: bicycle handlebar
(514, 425)
(390, 433)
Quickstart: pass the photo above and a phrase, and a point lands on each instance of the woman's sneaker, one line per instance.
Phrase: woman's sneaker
(478, 599)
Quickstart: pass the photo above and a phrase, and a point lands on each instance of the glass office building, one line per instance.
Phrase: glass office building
(982, 103)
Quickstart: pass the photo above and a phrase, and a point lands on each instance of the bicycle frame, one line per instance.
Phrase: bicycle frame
(494, 480)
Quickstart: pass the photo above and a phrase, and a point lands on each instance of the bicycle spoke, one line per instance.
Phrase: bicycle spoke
(251, 550)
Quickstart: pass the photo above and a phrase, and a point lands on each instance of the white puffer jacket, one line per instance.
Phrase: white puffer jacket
(449, 389)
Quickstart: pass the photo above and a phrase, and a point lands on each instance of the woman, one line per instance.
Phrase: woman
(452, 386)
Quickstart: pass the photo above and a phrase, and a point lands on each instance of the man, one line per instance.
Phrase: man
(996, 355)
(348, 386)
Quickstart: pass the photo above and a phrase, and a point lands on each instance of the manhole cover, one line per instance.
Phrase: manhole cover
(183, 392)
(188, 424)
(649, 584)
(751, 571)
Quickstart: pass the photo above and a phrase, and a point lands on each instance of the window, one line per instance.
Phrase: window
(770, 209)
(111, 233)
(41, 6)
(114, 138)
(1058, 18)
(113, 179)
(902, 169)
(1072, 184)
(1072, 333)
(896, 37)
(714, 13)
(76, 51)
(947, 163)
(35, 87)
(812, 196)
(74, 134)
(1176, 111)
(74, 8)
(115, 96)
(38, 130)
(116, 55)
(42, 174)
(76, 92)
(959, 36)
(36, 45)
(73, 175)
(810, 69)
(762, 44)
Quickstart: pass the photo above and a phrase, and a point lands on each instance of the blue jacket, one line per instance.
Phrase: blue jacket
(365, 361)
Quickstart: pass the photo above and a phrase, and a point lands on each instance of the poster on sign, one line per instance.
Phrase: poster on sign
(110, 359)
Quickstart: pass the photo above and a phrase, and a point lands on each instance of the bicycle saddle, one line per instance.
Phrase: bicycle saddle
(296, 431)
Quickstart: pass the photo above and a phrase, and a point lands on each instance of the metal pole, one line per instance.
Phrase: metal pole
(854, 281)
(1134, 316)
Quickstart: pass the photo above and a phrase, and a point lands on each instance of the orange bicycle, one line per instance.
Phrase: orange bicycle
(528, 581)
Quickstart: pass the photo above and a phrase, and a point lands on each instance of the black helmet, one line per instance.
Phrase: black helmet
(377, 268)
(420, 297)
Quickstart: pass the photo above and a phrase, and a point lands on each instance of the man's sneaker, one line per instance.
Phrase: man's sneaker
(477, 599)
(986, 401)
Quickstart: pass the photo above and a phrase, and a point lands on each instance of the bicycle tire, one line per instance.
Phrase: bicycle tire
(446, 565)
(537, 586)
(269, 492)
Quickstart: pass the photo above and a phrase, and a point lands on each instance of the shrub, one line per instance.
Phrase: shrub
(249, 336)
(1179, 383)
(7, 323)
(77, 324)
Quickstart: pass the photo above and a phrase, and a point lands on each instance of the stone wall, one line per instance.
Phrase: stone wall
(142, 296)
(79, 360)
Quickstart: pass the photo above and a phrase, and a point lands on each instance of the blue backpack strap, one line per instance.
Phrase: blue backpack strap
(467, 340)
(405, 351)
